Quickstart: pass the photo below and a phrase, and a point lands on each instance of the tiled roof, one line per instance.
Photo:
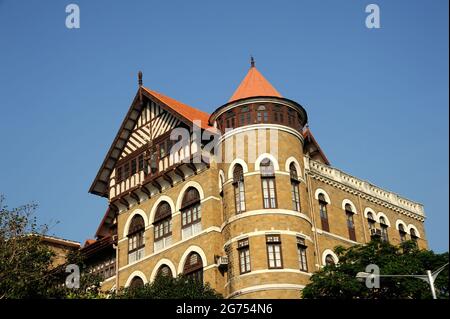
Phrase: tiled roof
(188, 112)
(254, 84)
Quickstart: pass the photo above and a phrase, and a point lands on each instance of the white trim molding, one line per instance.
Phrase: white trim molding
(411, 226)
(348, 201)
(270, 157)
(162, 198)
(222, 179)
(381, 214)
(233, 163)
(136, 273)
(196, 185)
(320, 190)
(256, 288)
(266, 232)
(160, 263)
(327, 252)
(189, 250)
(397, 224)
(128, 222)
(266, 211)
(290, 160)
(368, 210)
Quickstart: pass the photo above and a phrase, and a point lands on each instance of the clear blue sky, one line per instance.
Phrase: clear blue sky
(377, 99)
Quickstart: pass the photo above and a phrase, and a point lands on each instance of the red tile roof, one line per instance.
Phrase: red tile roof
(188, 112)
(254, 84)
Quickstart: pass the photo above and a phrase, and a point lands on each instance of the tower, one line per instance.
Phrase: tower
(263, 189)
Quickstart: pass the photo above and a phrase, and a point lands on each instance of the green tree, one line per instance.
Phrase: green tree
(339, 281)
(166, 287)
(24, 260)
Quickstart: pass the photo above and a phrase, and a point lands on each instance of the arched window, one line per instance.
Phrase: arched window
(136, 242)
(323, 212)
(193, 267)
(350, 222)
(294, 187)
(163, 226)
(384, 229)
(191, 213)
(136, 282)
(414, 236)
(268, 184)
(164, 271)
(239, 191)
(371, 221)
(329, 260)
(402, 232)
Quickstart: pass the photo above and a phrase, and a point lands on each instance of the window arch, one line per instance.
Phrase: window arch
(329, 260)
(191, 213)
(162, 226)
(136, 241)
(329, 257)
(193, 267)
(295, 195)
(136, 282)
(384, 229)
(371, 221)
(350, 222)
(164, 271)
(268, 183)
(323, 212)
(239, 189)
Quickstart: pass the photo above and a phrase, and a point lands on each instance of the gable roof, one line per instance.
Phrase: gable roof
(254, 84)
(310, 140)
(184, 112)
(188, 112)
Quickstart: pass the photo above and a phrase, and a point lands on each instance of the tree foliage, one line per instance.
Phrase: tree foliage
(24, 260)
(339, 281)
(166, 287)
(26, 269)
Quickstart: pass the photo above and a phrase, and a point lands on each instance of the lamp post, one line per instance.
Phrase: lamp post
(429, 278)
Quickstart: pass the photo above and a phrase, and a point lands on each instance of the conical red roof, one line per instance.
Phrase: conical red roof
(254, 84)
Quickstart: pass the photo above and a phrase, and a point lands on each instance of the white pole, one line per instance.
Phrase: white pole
(431, 282)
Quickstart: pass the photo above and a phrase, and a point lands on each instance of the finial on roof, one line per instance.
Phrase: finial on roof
(140, 78)
(252, 61)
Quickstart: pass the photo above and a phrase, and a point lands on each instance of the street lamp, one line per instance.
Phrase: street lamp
(428, 278)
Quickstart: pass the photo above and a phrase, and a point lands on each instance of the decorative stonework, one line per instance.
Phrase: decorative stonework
(364, 189)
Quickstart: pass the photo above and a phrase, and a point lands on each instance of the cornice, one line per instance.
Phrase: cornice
(364, 189)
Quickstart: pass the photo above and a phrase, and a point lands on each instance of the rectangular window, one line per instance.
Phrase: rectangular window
(239, 195)
(301, 248)
(269, 194)
(244, 256)
(126, 170)
(141, 162)
(133, 166)
(119, 174)
(295, 196)
(324, 216)
(274, 257)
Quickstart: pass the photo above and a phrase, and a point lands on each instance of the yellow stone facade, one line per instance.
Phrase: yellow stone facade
(222, 228)
(249, 136)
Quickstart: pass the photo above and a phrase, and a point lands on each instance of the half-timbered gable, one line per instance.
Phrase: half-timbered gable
(142, 150)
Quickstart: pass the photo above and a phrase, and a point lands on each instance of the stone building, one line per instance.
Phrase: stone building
(243, 198)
